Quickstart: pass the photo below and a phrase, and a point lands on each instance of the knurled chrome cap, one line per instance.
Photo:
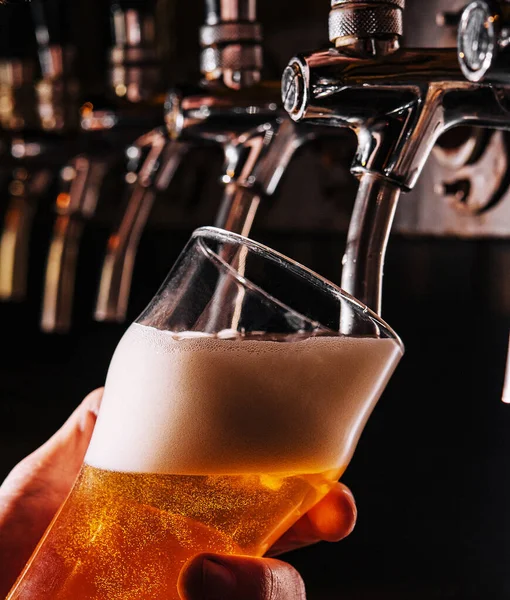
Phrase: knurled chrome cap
(230, 33)
(230, 47)
(351, 20)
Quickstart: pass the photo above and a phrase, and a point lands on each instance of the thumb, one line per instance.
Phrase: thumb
(214, 576)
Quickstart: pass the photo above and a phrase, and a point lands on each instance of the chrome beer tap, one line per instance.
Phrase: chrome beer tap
(134, 79)
(398, 101)
(154, 162)
(484, 55)
(36, 104)
(18, 105)
(226, 105)
(233, 108)
(258, 152)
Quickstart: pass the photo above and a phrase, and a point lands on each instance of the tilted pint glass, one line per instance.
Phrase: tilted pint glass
(231, 406)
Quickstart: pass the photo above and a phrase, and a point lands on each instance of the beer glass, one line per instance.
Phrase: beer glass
(231, 406)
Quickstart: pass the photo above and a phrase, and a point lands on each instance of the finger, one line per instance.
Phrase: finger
(214, 576)
(331, 520)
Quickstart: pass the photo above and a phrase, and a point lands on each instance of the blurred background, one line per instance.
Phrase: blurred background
(431, 471)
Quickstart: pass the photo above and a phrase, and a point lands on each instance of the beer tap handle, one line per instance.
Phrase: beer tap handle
(135, 69)
(25, 190)
(52, 24)
(231, 43)
(76, 203)
(50, 55)
(156, 173)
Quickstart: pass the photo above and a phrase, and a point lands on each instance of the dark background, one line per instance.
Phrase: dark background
(431, 471)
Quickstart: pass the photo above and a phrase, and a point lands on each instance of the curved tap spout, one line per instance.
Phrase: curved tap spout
(156, 172)
(255, 167)
(241, 199)
(367, 239)
(26, 189)
(75, 204)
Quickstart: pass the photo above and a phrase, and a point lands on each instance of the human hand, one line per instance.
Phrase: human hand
(214, 576)
(36, 487)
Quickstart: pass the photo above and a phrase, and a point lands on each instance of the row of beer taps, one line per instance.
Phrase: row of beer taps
(397, 100)
(56, 143)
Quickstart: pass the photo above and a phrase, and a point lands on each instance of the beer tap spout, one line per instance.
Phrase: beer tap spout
(367, 238)
(155, 174)
(81, 181)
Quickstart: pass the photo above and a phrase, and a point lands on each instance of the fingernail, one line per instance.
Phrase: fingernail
(95, 401)
(352, 505)
(218, 581)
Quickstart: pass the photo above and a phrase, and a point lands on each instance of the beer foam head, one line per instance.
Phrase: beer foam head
(203, 404)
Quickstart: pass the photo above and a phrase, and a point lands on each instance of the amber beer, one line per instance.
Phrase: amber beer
(204, 443)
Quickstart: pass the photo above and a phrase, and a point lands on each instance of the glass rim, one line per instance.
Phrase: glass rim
(327, 286)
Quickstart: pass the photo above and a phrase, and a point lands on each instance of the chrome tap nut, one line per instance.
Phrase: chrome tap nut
(484, 41)
(352, 20)
(477, 40)
(293, 89)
